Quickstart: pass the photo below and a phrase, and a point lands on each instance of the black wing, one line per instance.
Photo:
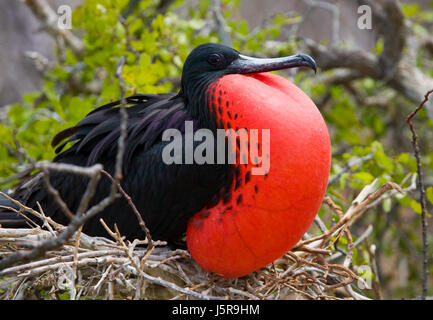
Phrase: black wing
(165, 195)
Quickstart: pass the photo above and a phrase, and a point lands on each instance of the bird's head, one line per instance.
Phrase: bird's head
(210, 61)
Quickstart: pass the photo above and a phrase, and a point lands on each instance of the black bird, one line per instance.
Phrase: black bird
(167, 196)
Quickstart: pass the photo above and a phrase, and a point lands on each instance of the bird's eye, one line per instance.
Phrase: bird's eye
(215, 59)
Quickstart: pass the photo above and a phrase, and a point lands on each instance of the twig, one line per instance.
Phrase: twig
(123, 124)
(159, 280)
(422, 193)
(354, 294)
(399, 71)
(50, 261)
(23, 173)
(358, 241)
(376, 281)
(55, 194)
(48, 17)
(75, 266)
(70, 168)
(55, 243)
(335, 11)
(101, 281)
(320, 224)
(354, 161)
(221, 24)
(141, 222)
(56, 225)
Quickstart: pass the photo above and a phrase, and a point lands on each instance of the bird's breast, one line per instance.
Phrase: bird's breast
(283, 156)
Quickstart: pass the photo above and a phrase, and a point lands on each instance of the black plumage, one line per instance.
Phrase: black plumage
(165, 195)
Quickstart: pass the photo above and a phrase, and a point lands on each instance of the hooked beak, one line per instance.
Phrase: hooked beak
(245, 64)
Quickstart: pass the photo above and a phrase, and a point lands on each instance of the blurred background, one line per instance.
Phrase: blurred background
(374, 67)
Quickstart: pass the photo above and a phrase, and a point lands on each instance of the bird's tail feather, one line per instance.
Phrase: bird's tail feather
(9, 218)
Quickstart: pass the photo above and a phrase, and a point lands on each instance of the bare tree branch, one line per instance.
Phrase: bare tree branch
(335, 11)
(141, 222)
(49, 18)
(221, 24)
(63, 237)
(397, 70)
(422, 193)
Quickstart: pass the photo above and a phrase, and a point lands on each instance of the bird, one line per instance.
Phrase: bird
(237, 216)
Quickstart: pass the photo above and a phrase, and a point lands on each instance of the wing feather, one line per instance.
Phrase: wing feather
(148, 116)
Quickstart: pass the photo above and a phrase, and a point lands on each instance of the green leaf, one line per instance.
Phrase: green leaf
(381, 158)
(416, 206)
(379, 46)
(429, 194)
(403, 158)
(363, 176)
(386, 205)
(343, 180)
(410, 10)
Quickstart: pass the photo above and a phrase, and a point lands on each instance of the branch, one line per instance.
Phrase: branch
(427, 42)
(422, 193)
(55, 194)
(123, 124)
(330, 58)
(163, 6)
(141, 222)
(63, 237)
(358, 241)
(221, 23)
(394, 36)
(397, 70)
(354, 161)
(335, 11)
(49, 18)
(158, 280)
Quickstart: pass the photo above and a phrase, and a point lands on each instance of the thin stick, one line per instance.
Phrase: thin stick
(56, 195)
(422, 194)
(52, 261)
(158, 280)
(376, 281)
(56, 225)
(141, 222)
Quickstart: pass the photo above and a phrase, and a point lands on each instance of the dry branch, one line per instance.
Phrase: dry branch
(397, 70)
(49, 19)
(220, 22)
(421, 187)
(135, 210)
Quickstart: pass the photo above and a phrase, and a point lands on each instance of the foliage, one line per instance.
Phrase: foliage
(156, 43)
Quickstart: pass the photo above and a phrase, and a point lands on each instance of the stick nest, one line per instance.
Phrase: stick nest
(97, 268)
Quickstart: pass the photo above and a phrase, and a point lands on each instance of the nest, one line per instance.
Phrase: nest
(84, 267)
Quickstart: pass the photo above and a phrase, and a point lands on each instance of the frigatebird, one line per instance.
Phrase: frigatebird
(236, 221)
